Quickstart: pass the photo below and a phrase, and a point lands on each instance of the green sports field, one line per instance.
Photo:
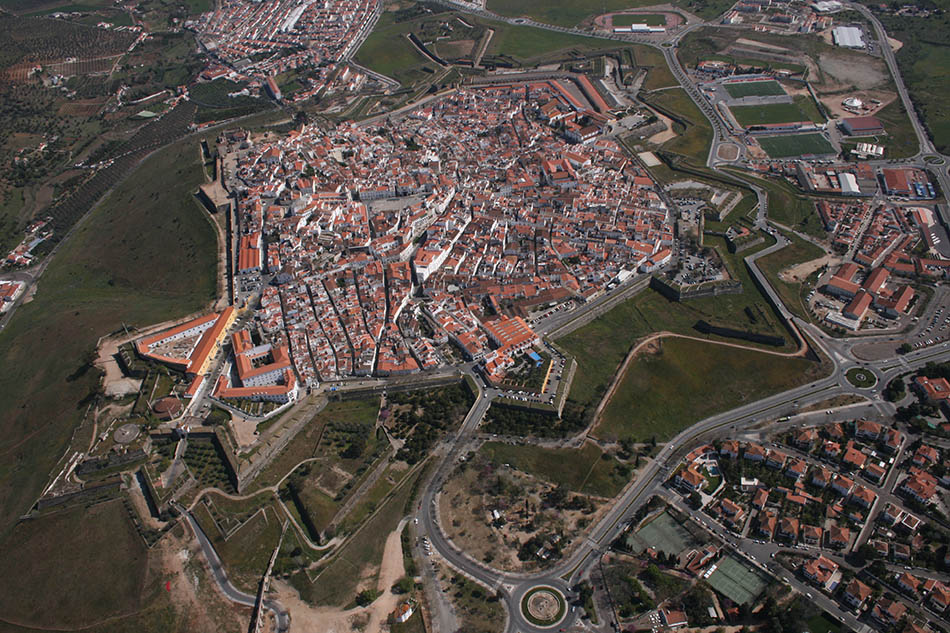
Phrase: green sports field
(768, 88)
(650, 19)
(795, 145)
(736, 580)
(750, 115)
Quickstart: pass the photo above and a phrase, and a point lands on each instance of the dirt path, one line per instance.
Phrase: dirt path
(371, 619)
(391, 569)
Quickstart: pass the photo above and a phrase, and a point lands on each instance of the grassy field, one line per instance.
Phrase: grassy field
(561, 12)
(771, 265)
(900, 141)
(585, 470)
(308, 442)
(527, 44)
(706, 9)
(754, 89)
(823, 623)
(795, 145)
(659, 74)
(145, 255)
(387, 51)
(650, 19)
(601, 345)
(787, 206)
(247, 550)
(694, 134)
(749, 115)
(687, 381)
(54, 580)
(336, 584)
(924, 62)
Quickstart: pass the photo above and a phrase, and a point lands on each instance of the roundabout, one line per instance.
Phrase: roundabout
(861, 378)
(543, 606)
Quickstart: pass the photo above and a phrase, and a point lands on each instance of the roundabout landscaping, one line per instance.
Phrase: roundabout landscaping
(861, 378)
(543, 606)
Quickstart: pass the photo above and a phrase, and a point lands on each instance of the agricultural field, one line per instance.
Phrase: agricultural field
(754, 89)
(648, 402)
(768, 114)
(795, 145)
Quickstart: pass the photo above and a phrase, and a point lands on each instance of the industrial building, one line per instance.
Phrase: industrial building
(848, 37)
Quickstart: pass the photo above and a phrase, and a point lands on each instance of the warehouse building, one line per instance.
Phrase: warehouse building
(848, 37)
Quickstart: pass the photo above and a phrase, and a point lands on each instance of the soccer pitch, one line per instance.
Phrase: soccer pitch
(750, 115)
(754, 89)
(795, 145)
(735, 580)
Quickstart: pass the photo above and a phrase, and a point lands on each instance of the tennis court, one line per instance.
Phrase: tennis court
(662, 533)
(736, 580)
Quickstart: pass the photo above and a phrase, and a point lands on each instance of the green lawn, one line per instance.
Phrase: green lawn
(754, 89)
(924, 62)
(771, 265)
(585, 470)
(688, 381)
(795, 145)
(145, 255)
(807, 105)
(749, 115)
(823, 623)
(562, 12)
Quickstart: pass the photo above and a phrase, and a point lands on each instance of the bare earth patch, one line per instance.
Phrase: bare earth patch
(800, 272)
(470, 496)
(369, 619)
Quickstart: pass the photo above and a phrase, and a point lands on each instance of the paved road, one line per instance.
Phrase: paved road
(221, 578)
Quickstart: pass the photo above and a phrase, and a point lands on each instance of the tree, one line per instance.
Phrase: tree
(366, 597)
(904, 348)
(403, 585)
